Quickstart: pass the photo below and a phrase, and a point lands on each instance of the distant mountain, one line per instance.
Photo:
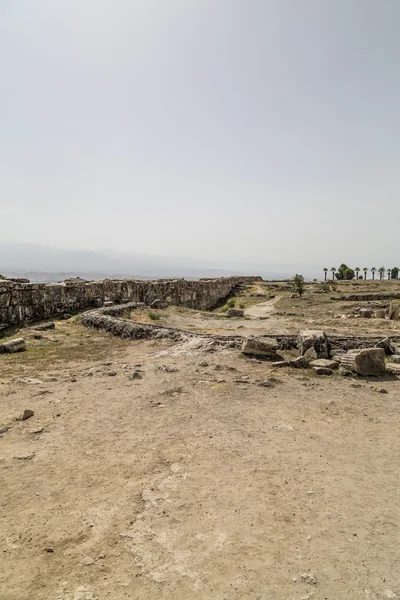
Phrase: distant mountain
(42, 263)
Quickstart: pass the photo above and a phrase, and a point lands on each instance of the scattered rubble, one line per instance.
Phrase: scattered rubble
(312, 338)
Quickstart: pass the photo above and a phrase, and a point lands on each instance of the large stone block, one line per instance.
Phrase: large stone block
(17, 345)
(260, 346)
(369, 361)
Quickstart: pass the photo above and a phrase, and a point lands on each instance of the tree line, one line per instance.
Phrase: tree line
(345, 272)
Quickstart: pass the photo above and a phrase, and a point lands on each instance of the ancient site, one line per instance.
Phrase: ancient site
(199, 376)
(218, 439)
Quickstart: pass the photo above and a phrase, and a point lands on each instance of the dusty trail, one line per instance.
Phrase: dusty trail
(262, 309)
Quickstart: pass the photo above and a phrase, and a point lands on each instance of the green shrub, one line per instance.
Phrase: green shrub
(154, 316)
(231, 303)
(298, 284)
(242, 305)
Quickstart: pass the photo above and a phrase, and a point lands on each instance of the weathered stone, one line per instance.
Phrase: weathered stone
(17, 345)
(394, 312)
(67, 316)
(37, 430)
(313, 338)
(44, 326)
(380, 313)
(369, 361)
(325, 363)
(27, 414)
(395, 358)
(136, 374)
(299, 363)
(393, 369)
(387, 345)
(310, 354)
(260, 346)
(366, 313)
(98, 302)
(279, 364)
(235, 312)
(322, 371)
(108, 303)
(28, 302)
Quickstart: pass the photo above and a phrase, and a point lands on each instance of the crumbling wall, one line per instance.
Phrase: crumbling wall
(27, 302)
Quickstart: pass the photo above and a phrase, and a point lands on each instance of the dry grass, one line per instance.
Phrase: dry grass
(69, 342)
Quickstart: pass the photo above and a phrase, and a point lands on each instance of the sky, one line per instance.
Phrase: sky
(257, 132)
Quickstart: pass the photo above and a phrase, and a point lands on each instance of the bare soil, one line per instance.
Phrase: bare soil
(195, 481)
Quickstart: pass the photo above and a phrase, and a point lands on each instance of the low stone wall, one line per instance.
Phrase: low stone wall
(368, 297)
(27, 302)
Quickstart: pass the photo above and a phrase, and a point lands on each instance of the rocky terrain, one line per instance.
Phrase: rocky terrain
(175, 465)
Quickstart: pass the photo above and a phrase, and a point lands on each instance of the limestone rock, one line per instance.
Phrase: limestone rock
(27, 414)
(393, 369)
(108, 303)
(157, 303)
(260, 346)
(44, 326)
(310, 354)
(235, 312)
(322, 371)
(369, 361)
(365, 313)
(314, 338)
(298, 363)
(388, 346)
(136, 374)
(394, 312)
(380, 313)
(324, 363)
(17, 345)
(395, 359)
(279, 364)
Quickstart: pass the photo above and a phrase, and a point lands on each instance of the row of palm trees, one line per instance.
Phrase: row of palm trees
(382, 271)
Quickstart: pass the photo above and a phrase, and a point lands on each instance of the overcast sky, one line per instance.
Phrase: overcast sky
(231, 130)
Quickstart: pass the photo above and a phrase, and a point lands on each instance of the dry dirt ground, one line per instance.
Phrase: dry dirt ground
(195, 481)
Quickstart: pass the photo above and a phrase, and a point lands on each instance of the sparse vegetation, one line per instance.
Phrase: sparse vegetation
(298, 284)
(154, 316)
(242, 305)
(231, 303)
(2, 276)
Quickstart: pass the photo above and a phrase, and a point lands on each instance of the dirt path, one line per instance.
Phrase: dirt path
(263, 309)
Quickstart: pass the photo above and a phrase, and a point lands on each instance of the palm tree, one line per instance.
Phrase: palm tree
(326, 272)
(333, 272)
(373, 272)
(357, 270)
(389, 272)
(381, 272)
(365, 272)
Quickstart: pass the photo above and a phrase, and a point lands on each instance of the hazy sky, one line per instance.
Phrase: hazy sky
(236, 130)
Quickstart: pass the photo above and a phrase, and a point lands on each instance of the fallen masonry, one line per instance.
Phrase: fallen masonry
(367, 362)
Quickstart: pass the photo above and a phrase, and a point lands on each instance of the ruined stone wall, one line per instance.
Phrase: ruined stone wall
(27, 302)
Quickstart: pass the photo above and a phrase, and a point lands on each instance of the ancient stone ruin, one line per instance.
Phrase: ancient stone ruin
(27, 302)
